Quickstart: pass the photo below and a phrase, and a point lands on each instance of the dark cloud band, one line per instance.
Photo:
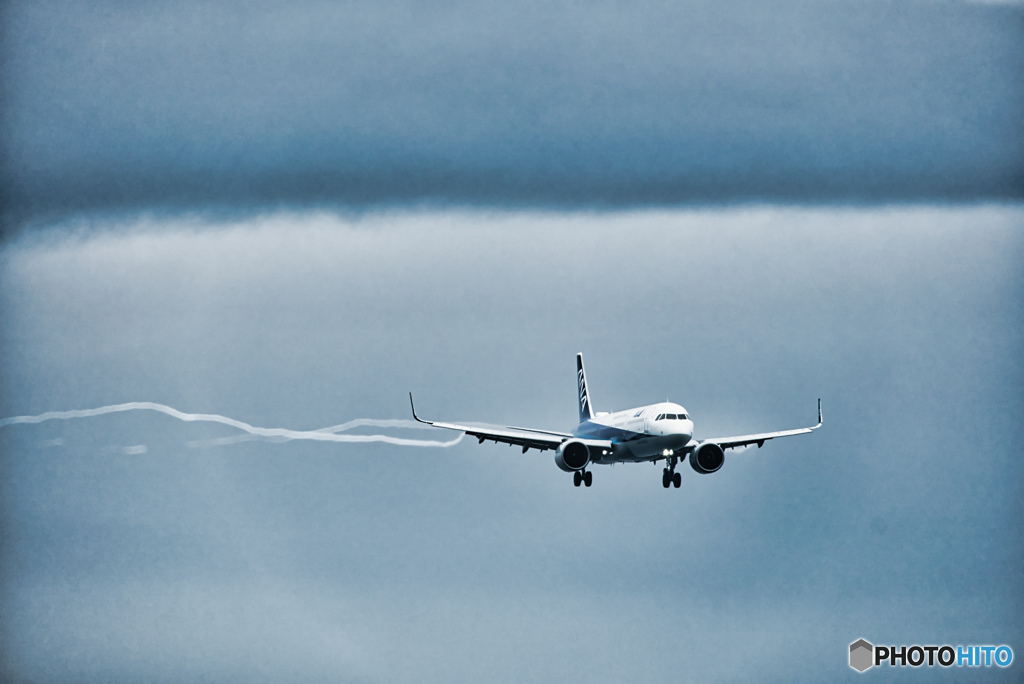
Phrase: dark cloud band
(181, 105)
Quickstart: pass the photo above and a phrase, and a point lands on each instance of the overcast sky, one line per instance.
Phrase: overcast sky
(294, 214)
(178, 104)
(138, 550)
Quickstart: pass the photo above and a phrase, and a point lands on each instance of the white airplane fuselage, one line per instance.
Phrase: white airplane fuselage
(647, 433)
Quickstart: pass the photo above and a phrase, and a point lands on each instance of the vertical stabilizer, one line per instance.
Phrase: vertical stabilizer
(586, 411)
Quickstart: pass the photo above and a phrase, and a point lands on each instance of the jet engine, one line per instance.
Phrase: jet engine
(572, 456)
(707, 458)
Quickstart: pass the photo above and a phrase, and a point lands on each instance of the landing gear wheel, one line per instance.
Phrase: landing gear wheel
(677, 480)
(665, 478)
(588, 477)
(576, 479)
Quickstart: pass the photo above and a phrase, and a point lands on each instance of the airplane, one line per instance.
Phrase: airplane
(651, 433)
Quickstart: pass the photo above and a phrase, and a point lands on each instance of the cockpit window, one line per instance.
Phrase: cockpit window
(661, 416)
(683, 416)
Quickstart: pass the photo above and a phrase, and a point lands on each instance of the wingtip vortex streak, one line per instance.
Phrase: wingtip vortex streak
(328, 434)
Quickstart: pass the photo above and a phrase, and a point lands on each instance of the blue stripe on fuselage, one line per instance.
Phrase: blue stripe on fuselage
(588, 429)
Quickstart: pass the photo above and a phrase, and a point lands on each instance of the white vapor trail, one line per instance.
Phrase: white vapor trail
(328, 434)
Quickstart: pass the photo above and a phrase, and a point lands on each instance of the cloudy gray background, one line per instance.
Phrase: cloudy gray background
(898, 521)
(114, 104)
(294, 215)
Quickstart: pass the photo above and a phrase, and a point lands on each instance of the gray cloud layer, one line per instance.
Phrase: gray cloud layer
(109, 105)
(898, 521)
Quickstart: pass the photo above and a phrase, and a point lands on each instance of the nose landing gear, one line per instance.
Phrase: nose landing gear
(584, 476)
(669, 476)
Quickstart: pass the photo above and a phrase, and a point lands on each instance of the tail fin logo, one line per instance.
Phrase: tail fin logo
(584, 400)
(581, 381)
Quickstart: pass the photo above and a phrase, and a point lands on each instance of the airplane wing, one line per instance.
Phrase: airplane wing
(761, 438)
(524, 437)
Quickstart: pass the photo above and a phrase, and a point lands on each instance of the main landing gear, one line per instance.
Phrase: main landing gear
(586, 477)
(669, 476)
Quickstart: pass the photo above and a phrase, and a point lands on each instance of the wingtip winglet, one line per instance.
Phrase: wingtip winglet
(819, 411)
(417, 418)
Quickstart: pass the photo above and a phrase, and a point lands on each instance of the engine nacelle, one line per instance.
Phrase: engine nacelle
(572, 456)
(707, 458)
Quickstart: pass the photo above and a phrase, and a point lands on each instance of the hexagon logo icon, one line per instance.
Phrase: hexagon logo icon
(862, 655)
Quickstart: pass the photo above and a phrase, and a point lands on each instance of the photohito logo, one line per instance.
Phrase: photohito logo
(864, 655)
